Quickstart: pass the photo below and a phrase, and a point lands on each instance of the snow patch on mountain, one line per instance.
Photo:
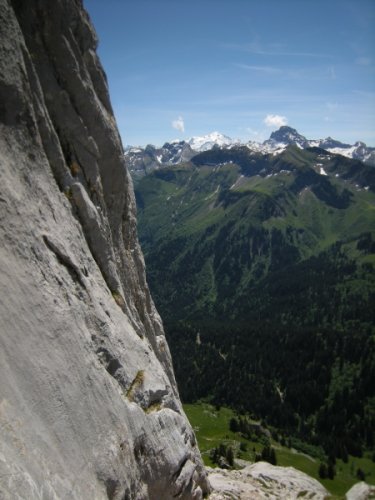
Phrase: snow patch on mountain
(207, 142)
(143, 160)
(273, 148)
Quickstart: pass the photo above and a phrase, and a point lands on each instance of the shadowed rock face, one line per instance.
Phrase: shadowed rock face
(88, 401)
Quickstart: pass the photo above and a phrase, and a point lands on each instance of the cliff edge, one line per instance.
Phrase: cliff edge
(89, 407)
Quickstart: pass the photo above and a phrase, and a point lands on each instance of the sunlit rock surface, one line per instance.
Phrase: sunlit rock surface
(361, 491)
(89, 407)
(264, 481)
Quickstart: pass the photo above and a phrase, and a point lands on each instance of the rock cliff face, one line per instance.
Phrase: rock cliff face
(89, 407)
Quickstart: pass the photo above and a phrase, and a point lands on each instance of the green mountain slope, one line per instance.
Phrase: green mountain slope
(262, 268)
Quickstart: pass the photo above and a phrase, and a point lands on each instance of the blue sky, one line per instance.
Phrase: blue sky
(180, 68)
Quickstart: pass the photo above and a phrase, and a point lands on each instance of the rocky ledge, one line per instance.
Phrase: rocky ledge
(264, 481)
(261, 481)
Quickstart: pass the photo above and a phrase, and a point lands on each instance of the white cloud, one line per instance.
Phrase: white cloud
(179, 124)
(275, 120)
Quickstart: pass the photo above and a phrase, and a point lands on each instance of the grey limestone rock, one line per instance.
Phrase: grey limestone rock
(89, 407)
(361, 491)
(261, 481)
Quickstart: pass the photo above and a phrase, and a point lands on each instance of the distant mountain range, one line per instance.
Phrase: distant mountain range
(143, 160)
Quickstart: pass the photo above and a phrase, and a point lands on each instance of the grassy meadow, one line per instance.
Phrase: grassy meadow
(211, 426)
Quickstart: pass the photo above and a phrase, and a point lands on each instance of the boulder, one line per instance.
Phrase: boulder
(361, 491)
(264, 481)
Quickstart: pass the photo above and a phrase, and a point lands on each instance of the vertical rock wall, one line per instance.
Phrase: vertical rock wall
(89, 407)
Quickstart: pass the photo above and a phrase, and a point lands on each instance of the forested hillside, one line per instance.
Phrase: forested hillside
(262, 267)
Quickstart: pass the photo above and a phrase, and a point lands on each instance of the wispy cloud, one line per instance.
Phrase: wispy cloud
(305, 73)
(332, 73)
(254, 97)
(272, 50)
(331, 106)
(271, 70)
(255, 135)
(364, 61)
(275, 120)
(365, 93)
(179, 124)
(331, 110)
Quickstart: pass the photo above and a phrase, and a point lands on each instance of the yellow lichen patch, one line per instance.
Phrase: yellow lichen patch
(156, 406)
(137, 382)
(118, 299)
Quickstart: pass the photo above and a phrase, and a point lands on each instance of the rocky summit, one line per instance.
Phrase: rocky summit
(89, 407)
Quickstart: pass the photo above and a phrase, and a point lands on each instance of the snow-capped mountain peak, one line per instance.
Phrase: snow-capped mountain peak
(208, 141)
(143, 160)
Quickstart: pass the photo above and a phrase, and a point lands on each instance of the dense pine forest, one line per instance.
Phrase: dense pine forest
(309, 371)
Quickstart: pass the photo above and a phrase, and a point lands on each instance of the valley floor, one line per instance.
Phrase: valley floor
(212, 429)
